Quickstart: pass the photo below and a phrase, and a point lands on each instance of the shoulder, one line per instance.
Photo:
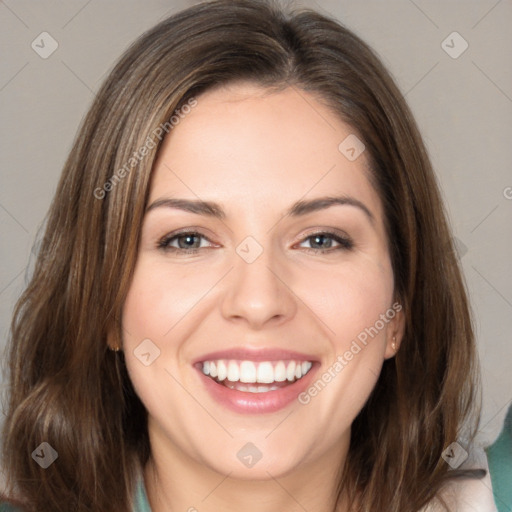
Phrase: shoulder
(467, 494)
(464, 496)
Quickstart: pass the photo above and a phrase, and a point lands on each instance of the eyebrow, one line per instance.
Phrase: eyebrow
(300, 208)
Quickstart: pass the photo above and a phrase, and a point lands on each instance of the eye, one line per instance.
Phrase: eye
(190, 242)
(323, 242)
(187, 242)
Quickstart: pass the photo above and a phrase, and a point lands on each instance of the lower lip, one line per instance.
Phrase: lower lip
(256, 403)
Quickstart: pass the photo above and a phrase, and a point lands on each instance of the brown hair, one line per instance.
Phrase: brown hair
(68, 389)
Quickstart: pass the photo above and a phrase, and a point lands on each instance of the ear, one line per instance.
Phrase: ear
(395, 331)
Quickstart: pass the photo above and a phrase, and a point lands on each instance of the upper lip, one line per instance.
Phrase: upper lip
(248, 354)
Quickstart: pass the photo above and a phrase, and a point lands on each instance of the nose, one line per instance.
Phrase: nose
(259, 293)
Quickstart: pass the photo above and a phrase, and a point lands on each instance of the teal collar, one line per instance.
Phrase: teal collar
(141, 502)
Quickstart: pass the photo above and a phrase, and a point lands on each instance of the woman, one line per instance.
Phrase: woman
(246, 296)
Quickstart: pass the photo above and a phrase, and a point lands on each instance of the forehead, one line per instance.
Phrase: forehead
(246, 146)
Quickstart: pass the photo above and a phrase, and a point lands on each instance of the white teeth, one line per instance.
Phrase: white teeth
(290, 371)
(247, 371)
(264, 389)
(250, 389)
(251, 372)
(306, 365)
(265, 373)
(233, 371)
(280, 372)
(222, 371)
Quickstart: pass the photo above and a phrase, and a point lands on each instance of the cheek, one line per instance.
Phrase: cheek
(354, 301)
(155, 311)
(351, 299)
(159, 307)
(160, 296)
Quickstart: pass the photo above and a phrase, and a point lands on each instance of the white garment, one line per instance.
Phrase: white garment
(468, 494)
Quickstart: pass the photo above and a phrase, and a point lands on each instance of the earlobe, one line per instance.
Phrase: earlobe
(395, 334)
(392, 347)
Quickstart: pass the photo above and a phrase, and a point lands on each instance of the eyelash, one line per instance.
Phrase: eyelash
(345, 243)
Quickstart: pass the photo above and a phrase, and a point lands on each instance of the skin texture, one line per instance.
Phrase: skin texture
(256, 153)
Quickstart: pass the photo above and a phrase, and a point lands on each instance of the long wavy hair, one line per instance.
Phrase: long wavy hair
(67, 389)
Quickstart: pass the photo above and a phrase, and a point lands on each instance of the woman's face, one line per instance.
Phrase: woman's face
(233, 299)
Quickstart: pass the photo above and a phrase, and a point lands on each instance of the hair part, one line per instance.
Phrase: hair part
(68, 389)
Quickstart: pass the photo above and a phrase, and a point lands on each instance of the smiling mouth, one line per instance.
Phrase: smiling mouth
(255, 377)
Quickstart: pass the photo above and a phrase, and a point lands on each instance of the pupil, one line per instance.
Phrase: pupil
(189, 239)
(322, 238)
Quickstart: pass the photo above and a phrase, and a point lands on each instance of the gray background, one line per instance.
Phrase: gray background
(463, 106)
